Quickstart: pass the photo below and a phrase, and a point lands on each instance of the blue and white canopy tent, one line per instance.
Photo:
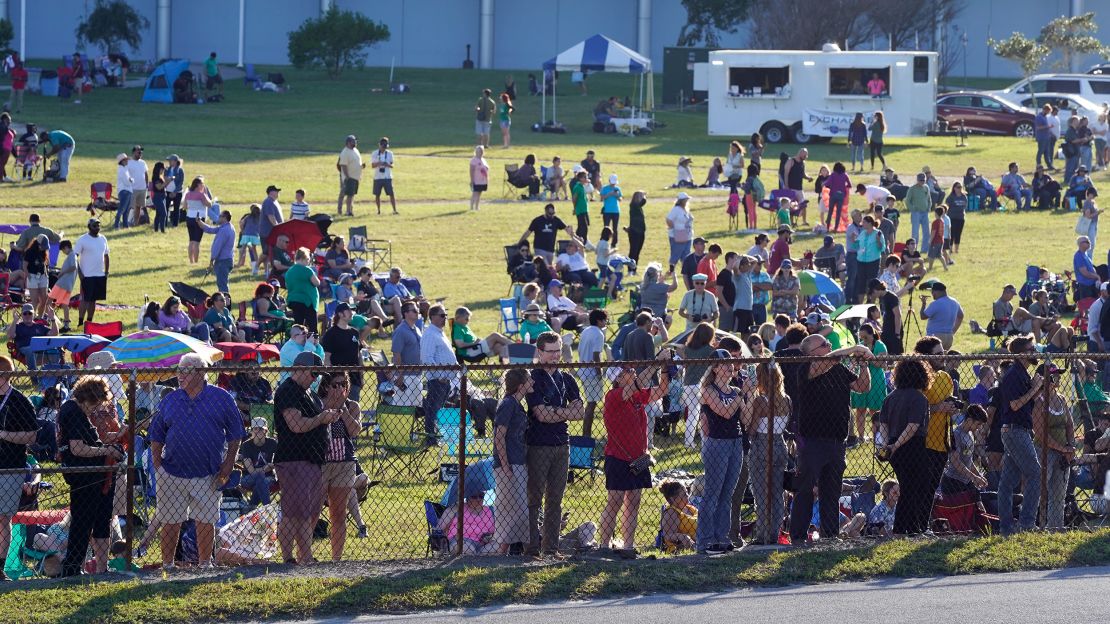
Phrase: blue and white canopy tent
(597, 54)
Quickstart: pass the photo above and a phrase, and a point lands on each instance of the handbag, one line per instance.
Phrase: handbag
(641, 463)
(1083, 225)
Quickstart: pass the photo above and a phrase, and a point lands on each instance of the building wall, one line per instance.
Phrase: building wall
(434, 33)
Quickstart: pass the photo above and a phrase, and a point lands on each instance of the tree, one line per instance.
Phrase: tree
(111, 24)
(1027, 53)
(7, 33)
(905, 22)
(1071, 37)
(706, 18)
(335, 41)
(809, 24)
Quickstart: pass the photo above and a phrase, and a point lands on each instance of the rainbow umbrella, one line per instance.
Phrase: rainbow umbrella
(158, 349)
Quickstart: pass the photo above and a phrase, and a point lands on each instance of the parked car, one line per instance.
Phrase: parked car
(1067, 103)
(982, 112)
(1100, 69)
(1094, 87)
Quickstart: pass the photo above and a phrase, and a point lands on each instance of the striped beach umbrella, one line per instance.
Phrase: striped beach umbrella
(159, 349)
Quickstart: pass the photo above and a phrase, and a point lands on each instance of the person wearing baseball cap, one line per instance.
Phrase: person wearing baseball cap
(257, 456)
(350, 168)
(611, 196)
(342, 345)
(780, 249)
(698, 305)
(23, 328)
(692, 261)
(123, 190)
(680, 230)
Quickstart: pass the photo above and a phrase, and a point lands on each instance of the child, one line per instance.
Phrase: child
(819, 186)
(733, 209)
(946, 249)
(936, 238)
(680, 518)
(603, 250)
(249, 238)
(299, 209)
(63, 287)
(685, 176)
(783, 213)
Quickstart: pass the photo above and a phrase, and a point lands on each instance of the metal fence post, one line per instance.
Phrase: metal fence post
(1042, 510)
(129, 475)
(771, 400)
(460, 481)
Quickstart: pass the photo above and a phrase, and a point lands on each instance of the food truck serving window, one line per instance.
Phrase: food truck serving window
(757, 80)
(859, 81)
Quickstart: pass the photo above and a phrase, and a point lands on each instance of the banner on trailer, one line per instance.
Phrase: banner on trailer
(830, 123)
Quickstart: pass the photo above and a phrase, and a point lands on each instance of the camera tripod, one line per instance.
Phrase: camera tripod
(910, 315)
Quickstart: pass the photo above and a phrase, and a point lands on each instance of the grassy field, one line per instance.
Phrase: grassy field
(255, 139)
(257, 595)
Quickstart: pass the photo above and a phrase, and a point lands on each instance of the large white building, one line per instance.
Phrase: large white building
(502, 34)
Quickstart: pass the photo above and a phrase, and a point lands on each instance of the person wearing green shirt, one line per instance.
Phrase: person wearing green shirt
(483, 117)
(918, 204)
(581, 205)
(301, 284)
(213, 80)
(533, 324)
(468, 347)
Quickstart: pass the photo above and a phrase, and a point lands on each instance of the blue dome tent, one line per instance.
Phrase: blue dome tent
(597, 54)
(159, 86)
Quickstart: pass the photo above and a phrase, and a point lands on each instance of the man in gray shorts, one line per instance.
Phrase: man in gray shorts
(18, 428)
(483, 116)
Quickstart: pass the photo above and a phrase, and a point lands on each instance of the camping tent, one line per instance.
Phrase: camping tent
(597, 54)
(159, 86)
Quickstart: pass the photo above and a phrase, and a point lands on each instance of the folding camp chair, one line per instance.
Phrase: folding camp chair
(521, 353)
(507, 188)
(437, 541)
(101, 195)
(447, 424)
(399, 439)
(27, 161)
(21, 560)
(595, 298)
(111, 331)
(356, 242)
(250, 78)
(510, 317)
(584, 456)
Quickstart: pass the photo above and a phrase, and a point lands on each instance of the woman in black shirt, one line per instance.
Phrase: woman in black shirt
(902, 424)
(90, 494)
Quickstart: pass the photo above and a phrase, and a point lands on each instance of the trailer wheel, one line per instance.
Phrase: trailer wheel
(799, 136)
(773, 132)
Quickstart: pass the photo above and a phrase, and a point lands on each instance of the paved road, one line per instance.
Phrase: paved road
(1074, 596)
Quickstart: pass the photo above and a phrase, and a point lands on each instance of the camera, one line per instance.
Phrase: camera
(697, 318)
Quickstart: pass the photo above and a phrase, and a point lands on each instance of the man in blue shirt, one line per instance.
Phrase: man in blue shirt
(394, 293)
(944, 315)
(223, 249)
(1042, 132)
(1021, 460)
(742, 316)
(1085, 275)
(406, 352)
(194, 439)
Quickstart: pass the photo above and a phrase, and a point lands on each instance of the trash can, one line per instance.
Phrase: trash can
(49, 83)
(34, 76)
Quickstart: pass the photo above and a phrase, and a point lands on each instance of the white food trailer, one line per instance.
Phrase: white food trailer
(803, 96)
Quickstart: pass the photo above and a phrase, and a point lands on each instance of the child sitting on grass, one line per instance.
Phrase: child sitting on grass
(680, 518)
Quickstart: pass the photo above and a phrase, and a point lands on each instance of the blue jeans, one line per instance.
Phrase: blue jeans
(30, 357)
(759, 313)
(259, 485)
(1045, 148)
(1021, 194)
(721, 459)
(920, 221)
(855, 152)
(1092, 232)
(836, 200)
(63, 162)
(159, 212)
(679, 251)
(202, 332)
(222, 269)
(124, 199)
(1085, 156)
(1070, 165)
(852, 267)
(1021, 461)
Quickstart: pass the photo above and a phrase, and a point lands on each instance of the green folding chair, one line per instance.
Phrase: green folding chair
(400, 441)
(595, 298)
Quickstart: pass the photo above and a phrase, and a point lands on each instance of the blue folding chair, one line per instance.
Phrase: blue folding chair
(510, 317)
(447, 423)
(437, 541)
(584, 455)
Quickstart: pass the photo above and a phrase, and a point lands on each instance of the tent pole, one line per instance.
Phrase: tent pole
(554, 114)
(543, 98)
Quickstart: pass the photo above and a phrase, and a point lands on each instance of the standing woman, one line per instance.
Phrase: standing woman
(510, 462)
(870, 402)
(505, 117)
(175, 186)
(637, 226)
(197, 202)
(722, 454)
(158, 196)
(902, 427)
(755, 150)
(303, 295)
(700, 345)
(479, 176)
(626, 476)
(869, 251)
(840, 189)
(1053, 427)
(785, 288)
(90, 493)
(770, 406)
(857, 138)
(338, 472)
(680, 230)
(957, 208)
(734, 164)
(611, 197)
(878, 129)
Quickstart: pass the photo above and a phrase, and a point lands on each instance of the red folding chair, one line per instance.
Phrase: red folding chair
(101, 195)
(111, 331)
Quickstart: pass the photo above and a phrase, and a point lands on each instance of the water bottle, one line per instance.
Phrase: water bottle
(364, 355)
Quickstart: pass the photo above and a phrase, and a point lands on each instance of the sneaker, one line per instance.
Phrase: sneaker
(716, 549)
(6, 179)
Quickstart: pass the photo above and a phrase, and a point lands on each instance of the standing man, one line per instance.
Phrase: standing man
(483, 116)
(1086, 277)
(382, 162)
(342, 346)
(918, 204)
(593, 172)
(793, 174)
(405, 347)
(271, 216)
(350, 168)
(822, 396)
(691, 261)
(62, 144)
(1021, 460)
(194, 440)
(546, 227)
(436, 350)
(743, 319)
(553, 401)
(223, 249)
(299, 342)
(1042, 132)
(92, 265)
(18, 428)
(591, 347)
(944, 315)
(213, 79)
(34, 230)
(1056, 130)
(140, 181)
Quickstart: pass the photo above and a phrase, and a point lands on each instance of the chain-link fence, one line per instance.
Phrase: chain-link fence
(247, 464)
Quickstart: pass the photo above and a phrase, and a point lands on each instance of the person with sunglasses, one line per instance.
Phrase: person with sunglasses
(1021, 461)
(338, 472)
(697, 305)
(24, 326)
(436, 350)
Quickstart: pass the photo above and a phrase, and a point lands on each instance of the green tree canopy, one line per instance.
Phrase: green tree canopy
(335, 41)
(112, 23)
(1071, 37)
(706, 18)
(1027, 53)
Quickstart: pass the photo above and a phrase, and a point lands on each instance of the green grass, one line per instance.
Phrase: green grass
(235, 597)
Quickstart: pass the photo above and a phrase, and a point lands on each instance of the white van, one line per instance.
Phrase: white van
(1091, 86)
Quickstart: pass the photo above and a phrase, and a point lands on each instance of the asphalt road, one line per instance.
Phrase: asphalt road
(1074, 596)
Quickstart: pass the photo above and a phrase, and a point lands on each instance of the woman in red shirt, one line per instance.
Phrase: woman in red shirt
(626, 424)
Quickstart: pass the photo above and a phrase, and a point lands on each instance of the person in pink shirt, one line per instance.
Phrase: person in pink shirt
(477, 532)
(876, 86)
(479, 176)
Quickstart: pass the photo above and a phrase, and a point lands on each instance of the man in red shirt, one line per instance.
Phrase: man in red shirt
(780, 249)
(19, 84)
(708, 265)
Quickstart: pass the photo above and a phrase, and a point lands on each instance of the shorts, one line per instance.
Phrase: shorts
(477, 351)
(11, 487)
(94, 288)
(479, 188)
(481, 127)
(620, 478)
(195, 231)
(934, 250)
(569, 320)
(39, 280)
(247, 240)
(947, 244)
(212, 81)
(187, 499)
(506, 123)
(349, 187)
(302, 489)
(385, 184)
(60, 296)
(338, 475)
(593, 387)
